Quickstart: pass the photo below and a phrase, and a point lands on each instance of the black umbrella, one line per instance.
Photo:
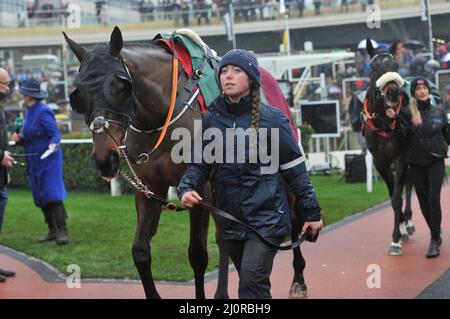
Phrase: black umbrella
(413, 44)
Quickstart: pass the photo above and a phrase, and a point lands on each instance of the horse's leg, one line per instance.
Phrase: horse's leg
(222, 281)
(198, 253)
(408, 212)
(148, 214)
(298, 287)
(400, 181)
(384, 169)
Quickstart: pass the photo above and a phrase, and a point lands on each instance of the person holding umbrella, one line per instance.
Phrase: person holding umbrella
(40, 136)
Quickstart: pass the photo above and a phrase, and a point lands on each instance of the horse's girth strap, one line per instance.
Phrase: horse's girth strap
(173, 99)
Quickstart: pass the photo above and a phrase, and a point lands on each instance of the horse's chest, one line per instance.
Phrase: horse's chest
(388, 149)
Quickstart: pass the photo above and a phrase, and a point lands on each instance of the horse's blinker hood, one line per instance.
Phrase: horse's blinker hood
(93, 94)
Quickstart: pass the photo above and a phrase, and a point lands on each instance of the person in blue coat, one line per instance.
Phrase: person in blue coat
(242, 186)
(40, 136)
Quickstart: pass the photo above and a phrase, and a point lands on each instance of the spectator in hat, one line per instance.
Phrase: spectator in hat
(40, 136)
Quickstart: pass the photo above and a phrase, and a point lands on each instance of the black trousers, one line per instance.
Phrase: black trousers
(427, 181)
(253, 261)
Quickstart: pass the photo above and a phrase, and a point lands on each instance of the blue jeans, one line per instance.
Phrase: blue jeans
(3, 201)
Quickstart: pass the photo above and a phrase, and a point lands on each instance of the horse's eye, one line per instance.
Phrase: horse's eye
(121, 89)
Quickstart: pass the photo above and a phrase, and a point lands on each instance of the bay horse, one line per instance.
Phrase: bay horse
(125, 95)
(388, 153)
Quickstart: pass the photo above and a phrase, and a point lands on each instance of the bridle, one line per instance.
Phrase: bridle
(370, 117)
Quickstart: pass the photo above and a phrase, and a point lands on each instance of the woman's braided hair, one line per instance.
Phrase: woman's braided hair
(256, 105)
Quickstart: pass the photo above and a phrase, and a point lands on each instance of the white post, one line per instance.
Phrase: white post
(288, 36)
(172, 193)
(327, 150)
(430, 29)
(369, 170)
(323, 87)
(231, 8)
(115, 187)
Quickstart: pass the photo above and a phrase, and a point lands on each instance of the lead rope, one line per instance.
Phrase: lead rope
(141, 187)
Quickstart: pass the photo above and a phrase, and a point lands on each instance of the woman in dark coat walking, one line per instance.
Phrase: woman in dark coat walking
(40, 138)
(426, 129)
(243, 187)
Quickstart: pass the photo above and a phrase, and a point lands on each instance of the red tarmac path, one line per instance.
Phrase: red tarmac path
(336, 265)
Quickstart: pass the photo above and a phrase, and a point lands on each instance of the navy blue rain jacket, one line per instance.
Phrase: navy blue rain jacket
(257, 199)
(428, 142)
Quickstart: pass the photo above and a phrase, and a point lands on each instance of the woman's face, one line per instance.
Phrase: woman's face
(421, 93)
(235, 82)
(28, 101)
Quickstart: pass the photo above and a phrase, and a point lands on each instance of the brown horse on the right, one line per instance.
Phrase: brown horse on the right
(389, 154)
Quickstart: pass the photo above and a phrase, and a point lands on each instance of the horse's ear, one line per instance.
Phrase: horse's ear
(369, 48)
(393, 47)
(77, 49)
(116, 42)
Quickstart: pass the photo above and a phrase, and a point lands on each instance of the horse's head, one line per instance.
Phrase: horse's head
(385, 82)
(104, 95)
(380, 61)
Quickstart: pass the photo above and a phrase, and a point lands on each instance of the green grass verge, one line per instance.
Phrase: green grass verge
(101, 230)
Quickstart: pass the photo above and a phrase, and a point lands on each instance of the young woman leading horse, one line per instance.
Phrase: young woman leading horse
(118, 87)
(243, 188)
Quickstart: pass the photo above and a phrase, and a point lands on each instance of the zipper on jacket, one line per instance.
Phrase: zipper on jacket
(234, 126)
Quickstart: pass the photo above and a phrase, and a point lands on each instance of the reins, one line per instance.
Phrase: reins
(142, 188)
(173, 98)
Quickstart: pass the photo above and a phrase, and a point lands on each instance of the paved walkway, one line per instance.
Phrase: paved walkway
(337, 266)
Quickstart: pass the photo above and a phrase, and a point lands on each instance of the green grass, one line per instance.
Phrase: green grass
(339, 199)
(101, 230)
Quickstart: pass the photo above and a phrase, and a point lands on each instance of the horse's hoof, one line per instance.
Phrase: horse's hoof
(404, 238)
(395, 251)
(298, 291)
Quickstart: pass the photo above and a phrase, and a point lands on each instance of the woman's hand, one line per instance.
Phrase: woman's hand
(190, 199)
(7, 160)
(52, 147)
(16, 137)
(315, 227)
